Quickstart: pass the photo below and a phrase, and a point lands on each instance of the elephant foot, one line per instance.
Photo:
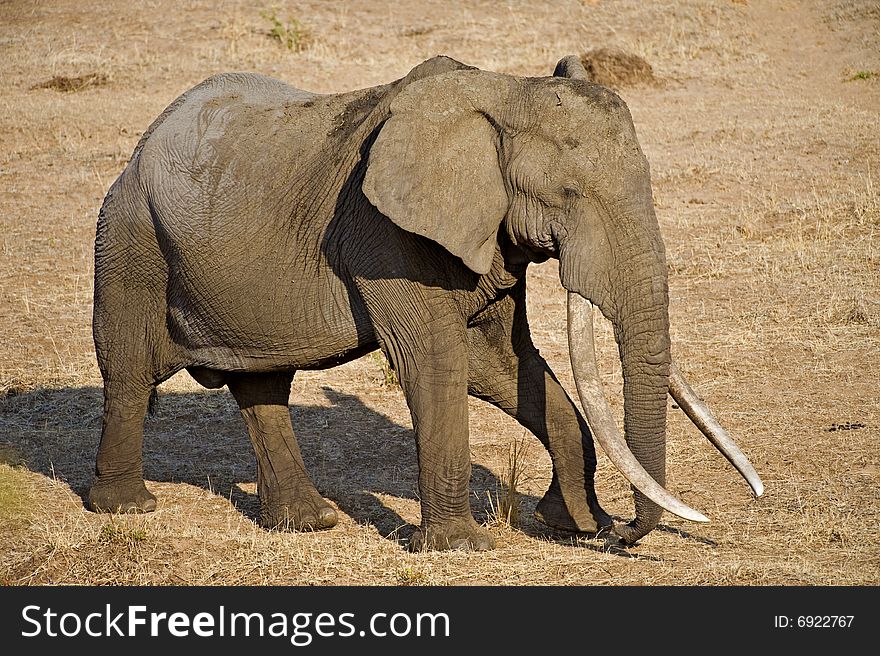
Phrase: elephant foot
(309, 514)
(552, 511)
(118, 497)
(463, 534)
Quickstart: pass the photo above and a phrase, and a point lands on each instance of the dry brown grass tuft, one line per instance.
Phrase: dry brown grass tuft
(504, 505)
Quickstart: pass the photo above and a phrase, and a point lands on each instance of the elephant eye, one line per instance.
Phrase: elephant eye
(572, 191)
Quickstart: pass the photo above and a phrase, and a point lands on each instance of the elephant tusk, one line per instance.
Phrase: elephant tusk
(699, 413)
(598, 413)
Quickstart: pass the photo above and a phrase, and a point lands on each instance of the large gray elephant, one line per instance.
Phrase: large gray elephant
(259, 229)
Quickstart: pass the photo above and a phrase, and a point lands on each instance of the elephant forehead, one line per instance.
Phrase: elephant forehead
(572, 123)
(572, 148)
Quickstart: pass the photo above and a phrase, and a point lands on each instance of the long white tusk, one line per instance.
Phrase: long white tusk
(703, 419)
(598, 414)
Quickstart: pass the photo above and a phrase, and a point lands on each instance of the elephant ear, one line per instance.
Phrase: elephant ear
(572, 67)
(433, 169)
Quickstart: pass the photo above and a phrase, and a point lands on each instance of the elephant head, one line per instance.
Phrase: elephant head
(554, 163)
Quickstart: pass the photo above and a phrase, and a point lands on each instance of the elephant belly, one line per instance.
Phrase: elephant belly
(239, 323)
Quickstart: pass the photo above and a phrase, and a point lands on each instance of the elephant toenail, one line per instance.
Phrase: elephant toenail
(327, 517)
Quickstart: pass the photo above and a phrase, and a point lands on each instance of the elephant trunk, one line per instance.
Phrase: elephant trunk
(642, 334)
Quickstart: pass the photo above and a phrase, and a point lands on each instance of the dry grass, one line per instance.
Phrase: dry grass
(763, 155)
(388, 376)
(504, 504)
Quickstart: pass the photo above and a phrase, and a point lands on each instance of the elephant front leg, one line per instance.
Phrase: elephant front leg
(434, 381)
(288, 498)
(507, 371)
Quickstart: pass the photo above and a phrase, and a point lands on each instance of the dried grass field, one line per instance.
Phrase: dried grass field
(762, 127)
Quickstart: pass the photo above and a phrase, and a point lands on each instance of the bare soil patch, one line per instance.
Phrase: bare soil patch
(763, 152)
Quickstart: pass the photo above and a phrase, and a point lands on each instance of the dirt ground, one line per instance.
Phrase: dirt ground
(762, 127)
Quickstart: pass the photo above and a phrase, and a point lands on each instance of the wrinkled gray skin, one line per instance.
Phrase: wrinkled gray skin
(259, 229)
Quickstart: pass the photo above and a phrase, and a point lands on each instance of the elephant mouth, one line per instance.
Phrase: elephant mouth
(604, 427)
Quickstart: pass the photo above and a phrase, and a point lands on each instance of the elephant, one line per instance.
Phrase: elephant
(259, 229)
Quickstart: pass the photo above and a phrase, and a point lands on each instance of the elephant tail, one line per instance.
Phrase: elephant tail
(153, 403)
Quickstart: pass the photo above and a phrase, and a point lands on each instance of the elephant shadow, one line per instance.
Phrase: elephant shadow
(359, 458)
(356, 456)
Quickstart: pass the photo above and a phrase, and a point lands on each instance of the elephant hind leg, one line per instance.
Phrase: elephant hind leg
(133, 348)
(132, 363)
(118, 485)
(134, 354)
(288, 498)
